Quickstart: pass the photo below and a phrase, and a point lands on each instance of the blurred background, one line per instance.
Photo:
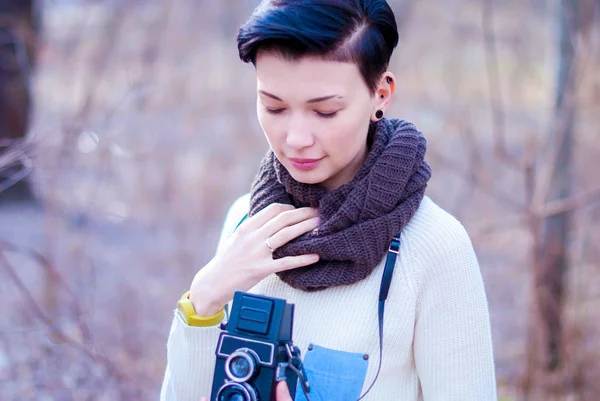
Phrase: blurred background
(128, 127)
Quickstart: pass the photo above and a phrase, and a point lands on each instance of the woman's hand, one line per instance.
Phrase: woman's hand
(282, 393)
(245, 259)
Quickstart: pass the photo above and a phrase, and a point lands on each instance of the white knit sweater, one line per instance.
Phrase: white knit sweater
(437, 339)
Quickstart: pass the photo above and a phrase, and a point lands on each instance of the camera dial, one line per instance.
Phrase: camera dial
(240, 366)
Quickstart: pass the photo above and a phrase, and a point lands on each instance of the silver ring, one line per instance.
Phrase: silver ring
(268, 243)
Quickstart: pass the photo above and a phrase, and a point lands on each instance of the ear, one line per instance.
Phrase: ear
(384, 93)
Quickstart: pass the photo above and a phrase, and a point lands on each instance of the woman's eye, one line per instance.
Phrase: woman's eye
(326, 115)
(274, 111)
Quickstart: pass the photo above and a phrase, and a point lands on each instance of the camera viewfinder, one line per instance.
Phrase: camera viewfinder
(255, 315)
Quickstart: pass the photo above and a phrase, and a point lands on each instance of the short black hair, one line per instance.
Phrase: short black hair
(363, 32)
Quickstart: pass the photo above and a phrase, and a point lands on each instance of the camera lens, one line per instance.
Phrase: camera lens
(233, 396)
(241, 365)
(236, 392)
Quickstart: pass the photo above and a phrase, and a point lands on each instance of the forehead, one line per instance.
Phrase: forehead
(306, 76)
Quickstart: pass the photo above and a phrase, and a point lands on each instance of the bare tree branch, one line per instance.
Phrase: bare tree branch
(495, 86)
(477, 180)
(564, 205)
(576, 72)
(37, 310)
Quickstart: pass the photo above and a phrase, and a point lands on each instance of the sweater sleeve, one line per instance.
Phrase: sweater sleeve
(453, 343)
(191, 350)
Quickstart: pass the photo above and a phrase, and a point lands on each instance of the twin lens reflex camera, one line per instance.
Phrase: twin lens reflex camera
(255, 351)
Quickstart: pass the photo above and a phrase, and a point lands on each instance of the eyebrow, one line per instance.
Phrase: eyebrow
(315, 100)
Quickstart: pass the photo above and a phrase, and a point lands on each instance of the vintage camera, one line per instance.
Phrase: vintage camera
(255, 351)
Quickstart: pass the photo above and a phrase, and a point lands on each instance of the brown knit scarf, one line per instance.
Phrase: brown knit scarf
(358, 219)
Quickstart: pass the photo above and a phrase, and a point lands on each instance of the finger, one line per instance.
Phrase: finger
(287, 234)
(203, 399)
(282, 393)
(294, 262)
(263, 216)
(286, 219)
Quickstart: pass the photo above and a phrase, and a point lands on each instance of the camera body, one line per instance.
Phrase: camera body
(254, 350)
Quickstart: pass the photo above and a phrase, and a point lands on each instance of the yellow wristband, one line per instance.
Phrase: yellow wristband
(187, 312)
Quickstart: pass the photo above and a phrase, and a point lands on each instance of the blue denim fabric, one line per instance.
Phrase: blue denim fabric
(333, 375)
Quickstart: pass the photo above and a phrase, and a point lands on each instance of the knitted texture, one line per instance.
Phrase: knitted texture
(358, 219)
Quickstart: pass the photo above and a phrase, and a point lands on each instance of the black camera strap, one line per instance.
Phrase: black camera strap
(384, 289)
(296, 365)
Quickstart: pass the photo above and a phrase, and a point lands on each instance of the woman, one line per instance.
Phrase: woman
(339, 182)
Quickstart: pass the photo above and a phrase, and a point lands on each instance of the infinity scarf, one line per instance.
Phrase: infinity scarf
(358, 219)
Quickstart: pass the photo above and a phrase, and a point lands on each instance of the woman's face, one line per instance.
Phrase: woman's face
(315, 115)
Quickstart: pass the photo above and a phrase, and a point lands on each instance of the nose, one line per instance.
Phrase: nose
(299, 135)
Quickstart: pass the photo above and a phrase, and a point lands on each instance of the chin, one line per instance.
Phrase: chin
(307, 177)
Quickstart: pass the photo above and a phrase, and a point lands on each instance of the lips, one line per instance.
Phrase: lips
(303, 160)
(304, 164)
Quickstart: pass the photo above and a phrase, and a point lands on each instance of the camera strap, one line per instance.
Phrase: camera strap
(384, 289)
(296, 365)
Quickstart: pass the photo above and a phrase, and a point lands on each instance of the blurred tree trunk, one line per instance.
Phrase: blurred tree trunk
(19, 25)
(551, 234)
(19, 33)
(555, 229)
